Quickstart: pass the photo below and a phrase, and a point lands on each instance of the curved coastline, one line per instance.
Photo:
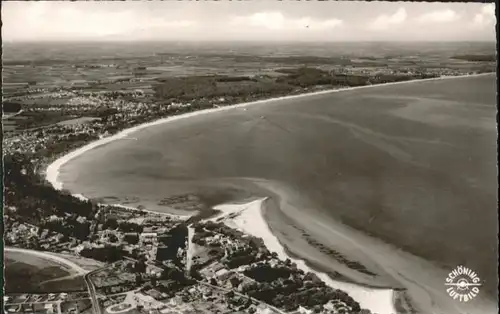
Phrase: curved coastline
(52, 171)
(52, 174)
(250, 219)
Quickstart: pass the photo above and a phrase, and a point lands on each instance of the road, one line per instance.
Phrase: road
(61, 278)
(51, 257)
(62, 261)
(92, 291)
(80, 271)
(8, 116)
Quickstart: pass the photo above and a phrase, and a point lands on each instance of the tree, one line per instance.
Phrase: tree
(110, 223)
(140, 266)
(126, 226)
(113, 238)
(105, 254)
(131, 238)
(138, 279)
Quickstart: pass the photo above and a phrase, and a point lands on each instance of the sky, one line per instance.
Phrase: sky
(247, 20)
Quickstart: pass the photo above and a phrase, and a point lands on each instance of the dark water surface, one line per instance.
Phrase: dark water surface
(412, 164)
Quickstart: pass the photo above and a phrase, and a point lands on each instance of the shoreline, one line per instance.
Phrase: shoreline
(249, 219)
(130, 208)
(52, 171)
(376, 299)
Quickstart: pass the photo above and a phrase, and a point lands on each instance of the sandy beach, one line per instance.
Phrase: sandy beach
(52, 171)
(251, 219)
(248, 218)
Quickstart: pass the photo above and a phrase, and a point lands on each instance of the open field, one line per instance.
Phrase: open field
(25, 272)
(31, 273)
(38, 77)
(103, 67)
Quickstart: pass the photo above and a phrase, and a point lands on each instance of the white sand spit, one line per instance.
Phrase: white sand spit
(249, 219)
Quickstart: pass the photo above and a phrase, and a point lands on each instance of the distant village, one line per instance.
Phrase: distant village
(92, 115)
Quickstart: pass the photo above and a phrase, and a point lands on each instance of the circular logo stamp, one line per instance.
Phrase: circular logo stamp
(463, 284)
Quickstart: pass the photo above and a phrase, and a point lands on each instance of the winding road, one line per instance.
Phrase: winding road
(92, 293)
(46, 255)
(79, 271)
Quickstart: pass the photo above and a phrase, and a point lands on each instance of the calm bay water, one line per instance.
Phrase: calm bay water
(413, 165)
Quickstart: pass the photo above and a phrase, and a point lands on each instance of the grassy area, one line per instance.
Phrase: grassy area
(32, 119)
(64, 285)
(24, 272)
(9, 125)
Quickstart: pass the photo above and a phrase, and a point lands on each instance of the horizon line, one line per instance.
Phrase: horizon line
(6, 41)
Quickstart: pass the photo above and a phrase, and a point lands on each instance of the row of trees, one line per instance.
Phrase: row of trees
(289, 294)
(107, 254)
